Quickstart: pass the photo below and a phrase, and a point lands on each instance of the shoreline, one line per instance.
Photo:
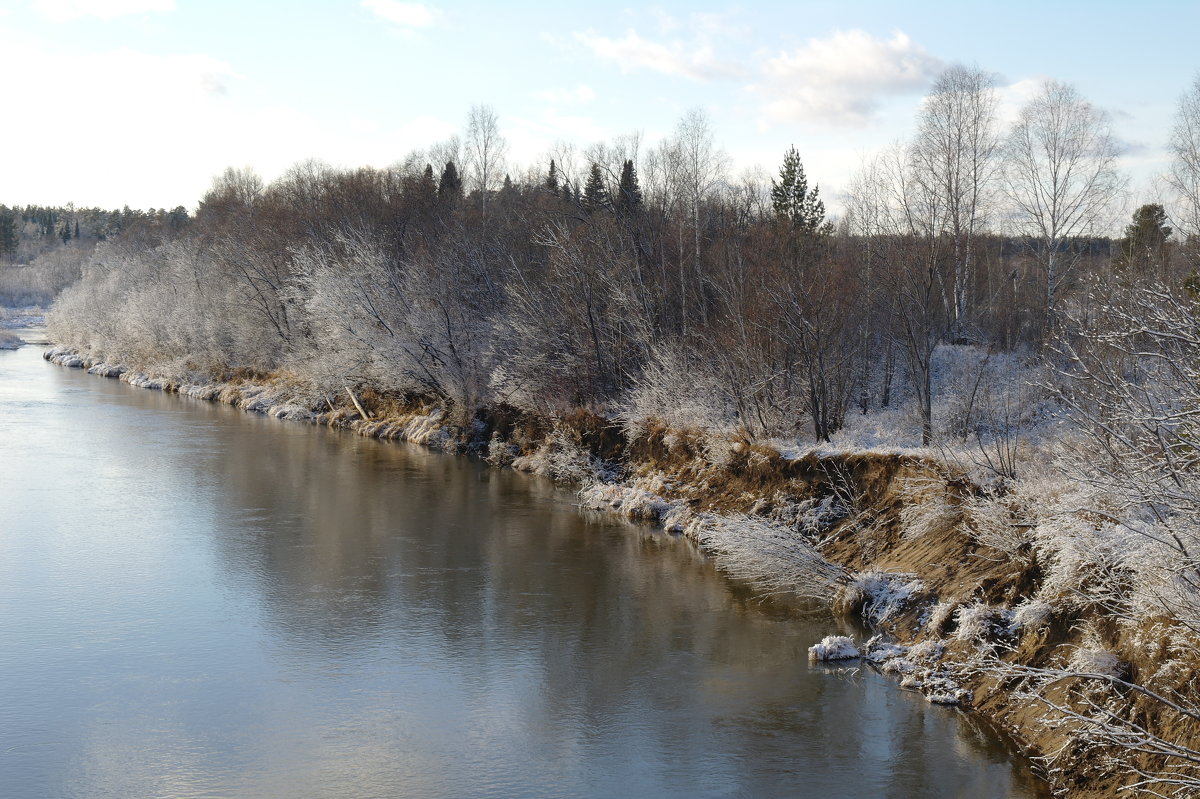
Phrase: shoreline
(886, 538)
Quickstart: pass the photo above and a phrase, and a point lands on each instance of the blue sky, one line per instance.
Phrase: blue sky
(141, 102)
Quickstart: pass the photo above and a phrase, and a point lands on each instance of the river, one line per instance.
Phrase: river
(201, 602)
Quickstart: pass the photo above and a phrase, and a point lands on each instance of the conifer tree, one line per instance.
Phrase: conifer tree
(1144, 249)
(595, 193)
(552, 178)
(629, 193)
(800, 209)
(426, 190)
(450, 187)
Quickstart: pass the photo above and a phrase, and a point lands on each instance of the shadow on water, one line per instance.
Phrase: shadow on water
(241, 606)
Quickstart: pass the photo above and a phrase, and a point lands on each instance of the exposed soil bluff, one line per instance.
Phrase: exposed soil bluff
(947, 576)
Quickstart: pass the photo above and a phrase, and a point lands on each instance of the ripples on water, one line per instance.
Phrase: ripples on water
(197, 602)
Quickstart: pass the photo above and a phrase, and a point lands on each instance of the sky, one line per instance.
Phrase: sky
(142, 102)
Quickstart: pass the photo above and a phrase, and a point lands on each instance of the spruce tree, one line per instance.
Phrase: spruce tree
(552, 178)
(801, 210)
(450, 189)
(595, 193)
(629, 193)
(426, 190)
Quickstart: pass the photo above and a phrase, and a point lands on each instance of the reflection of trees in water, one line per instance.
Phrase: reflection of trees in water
(624, 645)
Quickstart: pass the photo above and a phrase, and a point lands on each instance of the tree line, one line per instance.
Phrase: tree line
(651, 279)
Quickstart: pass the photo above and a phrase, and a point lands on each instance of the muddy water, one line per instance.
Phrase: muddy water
(198, 602)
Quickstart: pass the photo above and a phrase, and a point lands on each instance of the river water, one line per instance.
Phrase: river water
(200, 602)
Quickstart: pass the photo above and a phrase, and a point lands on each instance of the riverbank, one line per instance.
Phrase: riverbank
(971, 601)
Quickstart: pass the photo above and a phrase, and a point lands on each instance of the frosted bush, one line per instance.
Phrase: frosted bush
(1031, 614)
(882, 595)
(675, 386)
(979, 622)
(833, 647)
(1087, 660)
(879, 651)
(989, 519)
(928, 507)
(631, 502)
(560, 457)
(941, 613)
(771, 555)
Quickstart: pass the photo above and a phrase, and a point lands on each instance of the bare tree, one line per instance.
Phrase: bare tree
(485, 149)
(1184, 174)
(956, 154)
(700, 168)
(1061, 178)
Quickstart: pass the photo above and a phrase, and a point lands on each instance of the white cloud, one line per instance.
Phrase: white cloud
(66, 10)
(842, 80)
(580, 94)
(696, 61)
(410, 15)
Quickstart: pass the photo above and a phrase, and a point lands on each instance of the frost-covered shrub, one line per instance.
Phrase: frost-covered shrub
(880, 595)
(1087, 660)
(940, 614)
(147, 308)
(1032, 614)
(990, 521)
(929, 508)
(400, 325)
(979, 622)
(562, 458)
(631, 502)
(834, 647)
(676, 387)
(771, 555)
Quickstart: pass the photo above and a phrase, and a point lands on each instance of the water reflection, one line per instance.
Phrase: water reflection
(200, 602)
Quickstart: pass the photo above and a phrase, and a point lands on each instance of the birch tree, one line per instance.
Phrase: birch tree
(955, 154)
(1061, 178)
(485, 150)
(1184, 174)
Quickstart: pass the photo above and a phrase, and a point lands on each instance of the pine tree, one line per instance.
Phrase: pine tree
(65, 234)
(1143, 252)
(595, 193)
(629, 193)
(77, 230)
(802, 210)
(450, 189)
(552, 178)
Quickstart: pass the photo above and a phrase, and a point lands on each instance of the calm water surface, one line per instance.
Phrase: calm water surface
(198, 602)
